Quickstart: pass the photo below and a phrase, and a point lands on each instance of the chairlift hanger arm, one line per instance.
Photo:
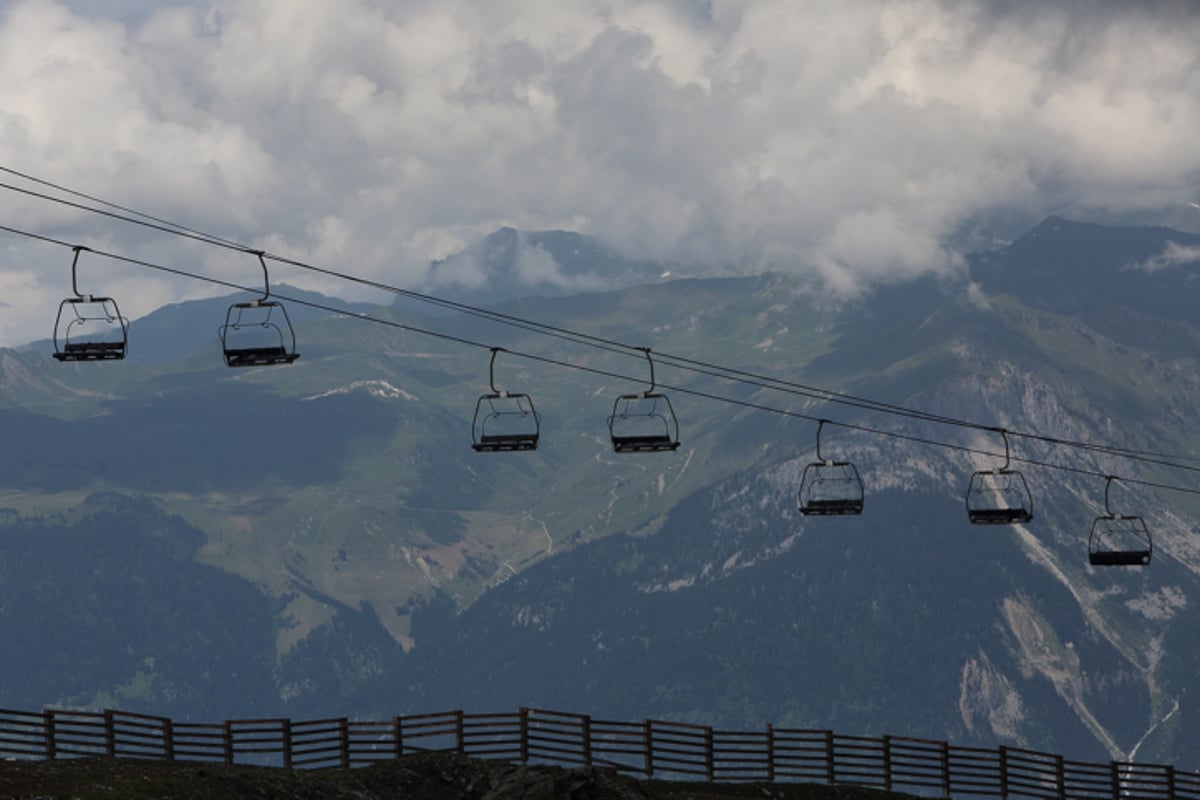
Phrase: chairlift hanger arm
(649, 361)
(74, 270)
(1007, 453)
(266, 276)
(1108, 480)
(492, 371)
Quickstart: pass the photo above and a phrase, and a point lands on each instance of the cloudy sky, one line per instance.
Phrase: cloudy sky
(852, 141)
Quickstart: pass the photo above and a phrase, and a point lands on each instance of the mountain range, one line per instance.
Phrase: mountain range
(320, 538)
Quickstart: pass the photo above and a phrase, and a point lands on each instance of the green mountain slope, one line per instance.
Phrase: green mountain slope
(400, 570)
(344, 486)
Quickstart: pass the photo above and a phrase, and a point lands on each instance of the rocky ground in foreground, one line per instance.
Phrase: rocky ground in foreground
(429, 776)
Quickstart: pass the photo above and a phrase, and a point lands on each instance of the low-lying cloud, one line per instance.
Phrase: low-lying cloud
(1173, 254)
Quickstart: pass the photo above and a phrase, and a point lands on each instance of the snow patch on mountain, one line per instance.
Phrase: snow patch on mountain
(377, 388)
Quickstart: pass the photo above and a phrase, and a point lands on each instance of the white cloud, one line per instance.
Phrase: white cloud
(846, 140)
(1173, 255)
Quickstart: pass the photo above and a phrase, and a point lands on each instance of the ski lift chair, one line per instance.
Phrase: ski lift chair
(258, 332)
(89, 328)
(830, 488)
(644, 422)
(1118, 540)
(504, 421)
(999, 496)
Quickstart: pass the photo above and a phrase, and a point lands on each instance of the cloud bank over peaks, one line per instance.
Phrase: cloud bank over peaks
(848, 142)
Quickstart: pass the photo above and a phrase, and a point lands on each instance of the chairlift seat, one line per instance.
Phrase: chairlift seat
(999, 497)
(244, 349)
(514, 423)
(1119, 541)
(258, 356)
(644, 444)
(831, 508)
(999, 516)
(506, 443)
(94, 330)
(831, 488)
(633, 414)
(644, 422)
(91, 351)
(1120, 558)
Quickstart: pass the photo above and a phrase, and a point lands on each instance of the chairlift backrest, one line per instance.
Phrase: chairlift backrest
(88, 327)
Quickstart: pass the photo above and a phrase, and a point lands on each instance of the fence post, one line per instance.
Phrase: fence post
(1114, 779)
(587, 740)
(887, 763)
(48, 733)
(709, 767)
(1170, 782)
(1060, 778)
(398, 735)
(524, 726)
(1004, 772)
(648, 740)
(459, 745)
(829, 773)
(770, 753)
(344, 741)
(227, 741)
(110, 734)
(169, 739)
(945, 758)
(287, 743)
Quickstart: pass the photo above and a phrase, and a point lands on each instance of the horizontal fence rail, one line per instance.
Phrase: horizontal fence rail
(648, 749)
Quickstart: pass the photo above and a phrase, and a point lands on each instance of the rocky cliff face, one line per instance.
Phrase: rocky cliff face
(906, 619)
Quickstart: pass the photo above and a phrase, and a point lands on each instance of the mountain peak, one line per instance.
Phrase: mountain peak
(509, 263)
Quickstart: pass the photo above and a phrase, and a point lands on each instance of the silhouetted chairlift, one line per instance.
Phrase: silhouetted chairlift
(89, 328)
(999, 496)
(644, 422)
(1118, 540)
(504, 421)
(258, 332)
(830, 488)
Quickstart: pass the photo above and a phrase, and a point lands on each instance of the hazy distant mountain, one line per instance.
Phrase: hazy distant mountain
(1183, 217)
(1085, 269)
(387, 567)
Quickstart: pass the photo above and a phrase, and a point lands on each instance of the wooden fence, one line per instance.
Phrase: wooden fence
(646, 749)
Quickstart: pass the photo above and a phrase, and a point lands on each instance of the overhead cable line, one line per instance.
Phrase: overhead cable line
(577, 337)
(608, 373)
(166, 226)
